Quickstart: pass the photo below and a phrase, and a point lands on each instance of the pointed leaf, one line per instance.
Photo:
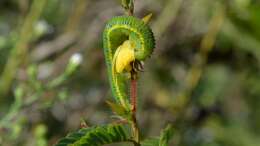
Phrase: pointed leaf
(95, 136)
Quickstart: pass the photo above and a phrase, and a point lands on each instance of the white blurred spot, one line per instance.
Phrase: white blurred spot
(76, 58)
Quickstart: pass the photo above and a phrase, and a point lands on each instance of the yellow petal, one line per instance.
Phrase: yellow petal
(124, 55)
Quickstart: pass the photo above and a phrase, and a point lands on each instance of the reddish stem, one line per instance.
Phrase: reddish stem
(133, 94)
(136, 133)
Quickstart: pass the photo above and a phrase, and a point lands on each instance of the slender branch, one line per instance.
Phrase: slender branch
(76, 15)
(20, 50)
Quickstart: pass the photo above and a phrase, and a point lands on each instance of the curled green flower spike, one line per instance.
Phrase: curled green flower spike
(126, 39)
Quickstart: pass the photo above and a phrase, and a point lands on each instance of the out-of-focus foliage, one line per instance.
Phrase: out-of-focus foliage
(203, 77)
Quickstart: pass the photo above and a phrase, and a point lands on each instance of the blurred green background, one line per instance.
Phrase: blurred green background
(203, 76)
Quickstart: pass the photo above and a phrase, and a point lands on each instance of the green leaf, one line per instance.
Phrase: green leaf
(163, 140)
(166, 135)
(95, 136)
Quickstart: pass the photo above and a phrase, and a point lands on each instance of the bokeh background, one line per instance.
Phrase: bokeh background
(203, 76)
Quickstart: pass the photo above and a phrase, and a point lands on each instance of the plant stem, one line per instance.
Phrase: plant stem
(133, 89)
(133, 95)
(136, 131)
(135, 128)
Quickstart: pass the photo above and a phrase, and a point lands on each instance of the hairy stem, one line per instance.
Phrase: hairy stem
(135, 128)
(133, 95)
